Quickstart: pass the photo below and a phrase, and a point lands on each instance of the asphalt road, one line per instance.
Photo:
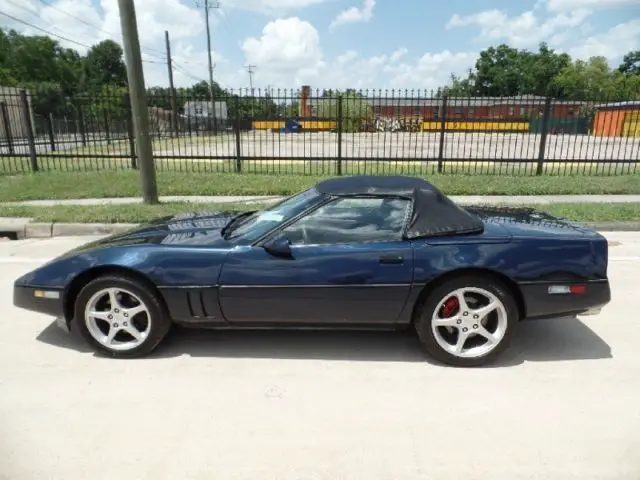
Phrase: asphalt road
(563, 404)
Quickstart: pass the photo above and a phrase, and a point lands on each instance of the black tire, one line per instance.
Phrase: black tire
(426, 310)
(159, 321)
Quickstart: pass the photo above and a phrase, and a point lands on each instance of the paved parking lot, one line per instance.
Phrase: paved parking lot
(563, 404)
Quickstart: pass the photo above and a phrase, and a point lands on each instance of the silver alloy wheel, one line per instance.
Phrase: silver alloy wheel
(469, 322)
(117, 319)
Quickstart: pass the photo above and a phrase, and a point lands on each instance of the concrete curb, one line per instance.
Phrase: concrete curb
(22, 228)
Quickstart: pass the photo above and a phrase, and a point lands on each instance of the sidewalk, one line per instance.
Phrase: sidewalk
(464, 199)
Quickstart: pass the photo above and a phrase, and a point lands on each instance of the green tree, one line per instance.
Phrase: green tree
(507, 71)
(105, 66)
(595, 80)
(630, 63)
(357, 110)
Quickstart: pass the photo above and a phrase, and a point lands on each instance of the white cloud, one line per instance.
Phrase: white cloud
(354, 15)
(432, 70)
(398, 54)
(521, 31)
(289, 48)
(561, 5)
(612, 44)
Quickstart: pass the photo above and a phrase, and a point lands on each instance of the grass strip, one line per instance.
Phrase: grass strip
(127, 184)
(139, 213)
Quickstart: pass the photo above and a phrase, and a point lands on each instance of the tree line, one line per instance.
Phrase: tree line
(64, 82)
(507, 71)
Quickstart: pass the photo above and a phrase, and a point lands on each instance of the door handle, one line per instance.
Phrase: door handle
(391, 259)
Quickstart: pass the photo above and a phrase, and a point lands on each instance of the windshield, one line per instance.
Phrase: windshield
(258, 223)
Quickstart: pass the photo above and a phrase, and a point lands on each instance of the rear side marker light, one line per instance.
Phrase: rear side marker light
(567, 289)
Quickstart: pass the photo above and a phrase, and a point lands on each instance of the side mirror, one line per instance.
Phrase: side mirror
(279, 246)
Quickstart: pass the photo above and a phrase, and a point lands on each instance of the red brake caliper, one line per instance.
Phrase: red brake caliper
(449, 308)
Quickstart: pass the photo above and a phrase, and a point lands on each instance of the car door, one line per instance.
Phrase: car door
(348, 265)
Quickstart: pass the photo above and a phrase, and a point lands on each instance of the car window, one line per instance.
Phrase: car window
(351, 220)
(259, 223)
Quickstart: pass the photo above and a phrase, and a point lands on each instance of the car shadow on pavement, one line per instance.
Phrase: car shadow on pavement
(561, 339)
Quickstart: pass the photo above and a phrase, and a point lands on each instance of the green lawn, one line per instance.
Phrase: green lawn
(138, 213)
(127, 184)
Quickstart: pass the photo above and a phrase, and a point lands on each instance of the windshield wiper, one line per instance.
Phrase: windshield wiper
(234, 221)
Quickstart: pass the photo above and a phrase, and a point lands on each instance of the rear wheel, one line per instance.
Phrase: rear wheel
(467, 321)
(121, 317)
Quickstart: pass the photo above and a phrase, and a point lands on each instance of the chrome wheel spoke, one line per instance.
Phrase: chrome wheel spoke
(131, 312)
(133, 331)
(100, 315)
(446, 322)
(459, 346)
(113, 331)
(461, 300)
(113, 298)
(483, 332)
(482, 312)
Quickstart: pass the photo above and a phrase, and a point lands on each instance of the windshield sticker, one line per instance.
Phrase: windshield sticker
(270, 217)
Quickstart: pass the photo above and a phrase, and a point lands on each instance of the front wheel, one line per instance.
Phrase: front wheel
(467, 321)
(121, 317)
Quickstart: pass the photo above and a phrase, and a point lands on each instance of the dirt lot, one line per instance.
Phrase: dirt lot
(264, 144)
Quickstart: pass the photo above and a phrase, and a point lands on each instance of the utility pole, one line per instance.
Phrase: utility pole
(251, 71)
(138, 94)
(207, 6)
(172, 91)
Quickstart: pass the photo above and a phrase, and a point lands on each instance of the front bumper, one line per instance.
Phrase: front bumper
(539, 303)
(41, 300)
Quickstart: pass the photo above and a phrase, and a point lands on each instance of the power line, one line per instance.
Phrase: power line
(61, 37)
(43, 30)
(95, 27)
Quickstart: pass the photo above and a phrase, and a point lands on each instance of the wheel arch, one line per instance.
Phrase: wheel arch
(81, 280)
(501, 278)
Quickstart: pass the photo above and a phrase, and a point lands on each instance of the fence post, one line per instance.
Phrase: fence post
(339, 127)
(130, 133)
(52, 140)
(83, 127)
(543, 135)
(238, 146)
(7, 127)
(443, 127)
(26, 116)
(107, 127)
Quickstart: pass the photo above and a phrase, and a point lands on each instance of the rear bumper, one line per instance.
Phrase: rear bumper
(42, 300)
(539, 303)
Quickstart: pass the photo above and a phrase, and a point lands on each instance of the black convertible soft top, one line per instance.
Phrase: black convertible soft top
(434, 214)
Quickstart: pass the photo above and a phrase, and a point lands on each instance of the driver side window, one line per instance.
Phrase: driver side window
(351, 220)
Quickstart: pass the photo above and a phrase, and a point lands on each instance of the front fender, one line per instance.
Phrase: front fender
(164, 266)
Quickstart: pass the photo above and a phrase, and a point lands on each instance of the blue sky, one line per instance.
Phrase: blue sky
(340, 43)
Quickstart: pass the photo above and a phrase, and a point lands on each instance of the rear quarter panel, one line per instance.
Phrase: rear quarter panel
(531, 263)
(520, 259)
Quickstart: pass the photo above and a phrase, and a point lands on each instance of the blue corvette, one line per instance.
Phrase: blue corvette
(365, 252)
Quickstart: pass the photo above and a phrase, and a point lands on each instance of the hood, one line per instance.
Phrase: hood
(190, 228)
(529, 222)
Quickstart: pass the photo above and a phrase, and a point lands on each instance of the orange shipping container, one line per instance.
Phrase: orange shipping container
(608, 123)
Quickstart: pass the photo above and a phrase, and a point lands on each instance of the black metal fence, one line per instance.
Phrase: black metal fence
(324, 132)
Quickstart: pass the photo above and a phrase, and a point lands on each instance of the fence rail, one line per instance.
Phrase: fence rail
(326, 133)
